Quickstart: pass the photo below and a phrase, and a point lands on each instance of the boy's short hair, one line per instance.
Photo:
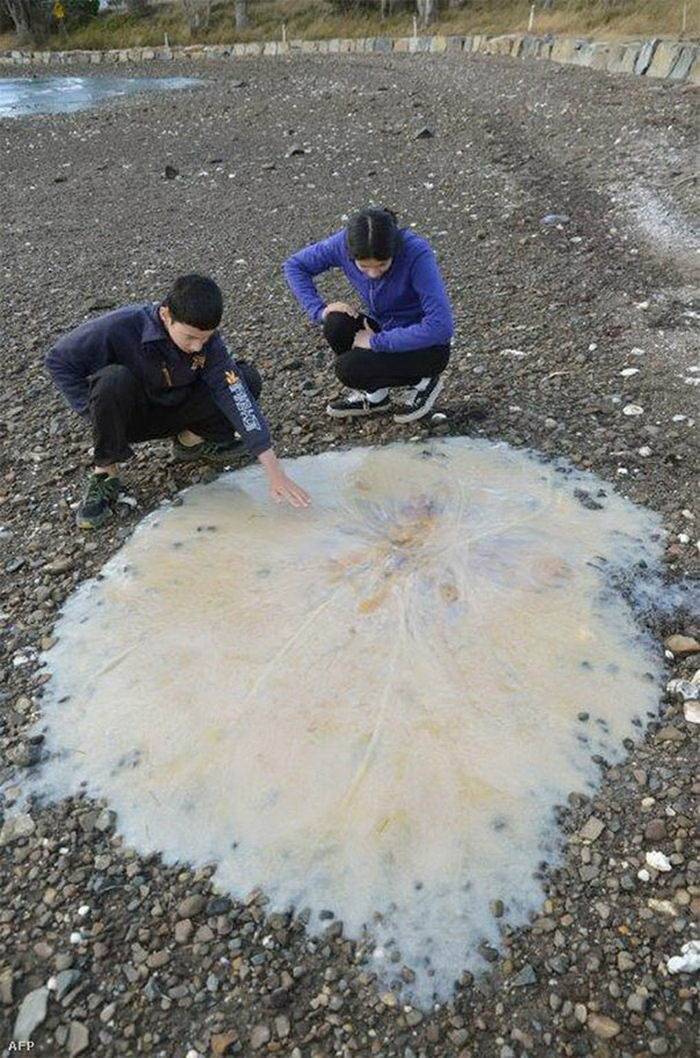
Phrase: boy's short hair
(197, 301)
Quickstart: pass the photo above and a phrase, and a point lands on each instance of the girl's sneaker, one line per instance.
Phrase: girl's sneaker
(421, 401)
(356, 404)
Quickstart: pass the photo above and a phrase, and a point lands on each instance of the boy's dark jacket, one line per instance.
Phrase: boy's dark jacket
(135, 337)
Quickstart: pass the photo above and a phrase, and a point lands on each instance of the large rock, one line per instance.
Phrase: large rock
(31, 1014)
(78, 1039)
(603, 1027)
(15, 828)
(679, 644)
(646, 54)
(685, 62)
(600, 55)
(530, 48)
(625, 59)
(438, 43)
(566, 49)
(664, 58)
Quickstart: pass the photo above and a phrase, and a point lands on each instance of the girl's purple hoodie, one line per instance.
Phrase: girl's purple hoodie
(409, 301)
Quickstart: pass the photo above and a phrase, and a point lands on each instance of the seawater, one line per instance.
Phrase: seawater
(64, 95)
(370, 707)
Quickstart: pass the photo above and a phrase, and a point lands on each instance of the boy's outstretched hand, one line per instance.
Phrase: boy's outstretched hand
(281, 486)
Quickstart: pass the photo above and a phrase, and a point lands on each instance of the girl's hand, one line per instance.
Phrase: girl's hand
(362, 339)
(340, 306)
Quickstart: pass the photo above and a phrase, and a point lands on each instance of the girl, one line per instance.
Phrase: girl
(404, 339)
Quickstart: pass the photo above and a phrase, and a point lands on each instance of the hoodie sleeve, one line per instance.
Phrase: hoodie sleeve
(436, 326)
(235, 400)
(301, 268)
(73, 359)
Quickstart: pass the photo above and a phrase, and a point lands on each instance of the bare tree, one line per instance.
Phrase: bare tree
(31, 19)
(197, 13)
(241, 13)
(427, 10)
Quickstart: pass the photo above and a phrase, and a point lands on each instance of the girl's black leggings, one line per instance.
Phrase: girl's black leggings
(364, 369)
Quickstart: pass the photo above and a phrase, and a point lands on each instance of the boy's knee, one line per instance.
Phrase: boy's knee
(112, 380)
(251, 377)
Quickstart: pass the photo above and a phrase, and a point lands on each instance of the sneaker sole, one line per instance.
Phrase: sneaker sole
(93, 523)
(359, 414)
(411, 416)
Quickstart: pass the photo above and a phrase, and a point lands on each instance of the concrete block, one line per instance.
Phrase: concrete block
(454, 43)
(402, 43)
(694, 72)
(438, 44)
(346, 45)
(598, 55)
(147, 55)
(664, 58)
(566, 49)
(545, 49)
(624, 59)
(382, 44)
(585, 54)
(270, 47)
(530, 47)
(646, 54)
(516, 45)
(685, 62)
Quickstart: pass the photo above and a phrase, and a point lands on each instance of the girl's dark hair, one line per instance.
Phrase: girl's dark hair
(197, 301)
(373, 233)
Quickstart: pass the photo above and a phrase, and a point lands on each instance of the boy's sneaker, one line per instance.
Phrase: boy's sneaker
(356, 404)
(98, 503)
(421, 401)
(215, 453)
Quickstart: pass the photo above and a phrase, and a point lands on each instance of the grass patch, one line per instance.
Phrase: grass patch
(317, 20)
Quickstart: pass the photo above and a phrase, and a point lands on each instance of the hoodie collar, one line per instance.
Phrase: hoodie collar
(153, 329)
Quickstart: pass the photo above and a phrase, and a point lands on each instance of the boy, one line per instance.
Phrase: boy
(151, 370)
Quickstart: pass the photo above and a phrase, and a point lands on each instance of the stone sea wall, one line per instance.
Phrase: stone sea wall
(673, 59)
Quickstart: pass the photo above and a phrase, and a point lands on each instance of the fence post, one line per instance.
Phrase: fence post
(532, 19)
